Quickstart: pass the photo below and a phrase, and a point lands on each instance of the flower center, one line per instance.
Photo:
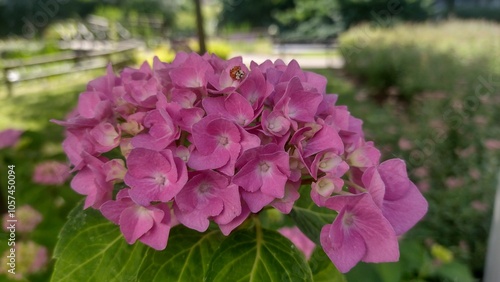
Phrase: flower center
(160, 180)
(223, 140)
(348, 219)
(264, 167)
(203, 188)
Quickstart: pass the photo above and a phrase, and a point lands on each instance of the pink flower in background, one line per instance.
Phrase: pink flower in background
(405, 144)
(31, 258)
(454, 182)
(9, 137)
(475, 173)
(492, 144)
(423, 186)
(51, 173)
(479, 206)
(421, 172)
(27, 219)
(299, 239)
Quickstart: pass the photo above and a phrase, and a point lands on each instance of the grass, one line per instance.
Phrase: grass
(40, 141)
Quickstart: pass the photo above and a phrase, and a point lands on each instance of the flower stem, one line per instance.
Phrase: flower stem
(355, 186)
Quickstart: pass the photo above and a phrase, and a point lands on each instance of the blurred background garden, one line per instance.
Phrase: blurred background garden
(424, 76)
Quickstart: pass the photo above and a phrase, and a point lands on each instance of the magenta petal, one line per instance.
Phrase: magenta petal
(229, 227)
(403, 204)
(195, 219)
(404, 213)
(113, 209)
(347, 252)
(143, 163)
(248, 177)
(217, 159)
(232, 205)
(359, 217)
(157, 237)
(376, 187)
(274, 184)
(285, 204)
(135, 221)
(256, 200)
(239, 109)
(393, 172)
(214, 105)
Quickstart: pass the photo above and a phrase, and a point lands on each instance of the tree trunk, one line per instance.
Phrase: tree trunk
(200, 27)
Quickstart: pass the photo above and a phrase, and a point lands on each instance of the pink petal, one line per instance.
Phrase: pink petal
(135, 221)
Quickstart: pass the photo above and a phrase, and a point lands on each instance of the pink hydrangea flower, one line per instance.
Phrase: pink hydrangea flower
(264, 170)
(207, 195)
(9, 137)
(218, 144)
(203, 141)
(91, 182)
(51, 173)
(154, 176)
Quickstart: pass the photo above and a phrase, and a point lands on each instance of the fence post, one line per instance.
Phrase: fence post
(8, 83)
(491, 270)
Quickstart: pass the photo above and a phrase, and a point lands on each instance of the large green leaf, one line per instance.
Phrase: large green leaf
(186, 257)
(91, 248)
(323, 269)
(309, 217)
(258, 255)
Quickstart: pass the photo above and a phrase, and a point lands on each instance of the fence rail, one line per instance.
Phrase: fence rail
(77, 61)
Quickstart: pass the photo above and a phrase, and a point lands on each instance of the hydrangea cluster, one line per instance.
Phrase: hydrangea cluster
(203, 140)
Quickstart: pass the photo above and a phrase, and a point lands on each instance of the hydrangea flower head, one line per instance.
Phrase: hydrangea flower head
(203, 141)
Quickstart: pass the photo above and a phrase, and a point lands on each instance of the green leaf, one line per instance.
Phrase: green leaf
(455, 271)
(309, 217)
(186, 257)
(323, 269)
(91, 248)
(258, 255)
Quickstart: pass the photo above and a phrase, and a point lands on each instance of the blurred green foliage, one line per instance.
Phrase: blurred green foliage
(30, 18)
(251, 13)
(436, 87)
(321, 20)
(412, 58)
(486, 13)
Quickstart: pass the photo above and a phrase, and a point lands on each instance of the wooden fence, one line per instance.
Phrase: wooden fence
(76, 61)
